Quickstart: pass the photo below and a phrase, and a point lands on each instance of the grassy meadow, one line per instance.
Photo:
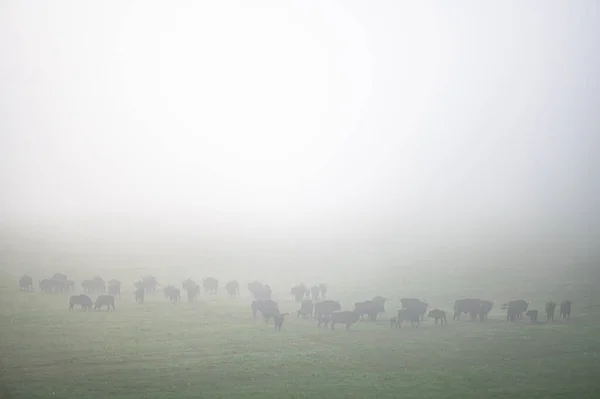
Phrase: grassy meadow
(213, 348)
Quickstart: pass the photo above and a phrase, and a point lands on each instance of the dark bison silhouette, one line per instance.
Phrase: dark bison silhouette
(210, 285)
(139, 295)
(438, 315)
(565, 309)
(193, 291)
(550, 308)
(188, 283)
(299, 292)
(415, 305)
(25, 283)
(408, 315)
(474, 307)
(149, 283)
(105, 300)
(232, 288)
(84, 301)
(347, 317)
(326, 307)
(259, 291)
(99, 285)
(172, 293)
(370, 308)
(515, 309)
(268, 309)
(50, 285)
(533, 315)
(306, 309)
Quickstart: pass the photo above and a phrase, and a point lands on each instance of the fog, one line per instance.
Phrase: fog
(300, 133)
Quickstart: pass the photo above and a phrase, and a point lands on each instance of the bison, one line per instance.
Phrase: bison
(550, 308)
(415, 305)
(25, 283)
(232, 288)
(438, 315)
(325, 308)
(114, 288)
(279, 319)
(172, 293)
(347, 317)
(515, 309)
(468, 306)
(105, 300)
(210, 285)
(268, 309)
(533, 315)
(407, 315)
(565, 309)
(84, 301)
(139, 295)
(299, 291)
(193, 291)
(315, 291)
(306, 310)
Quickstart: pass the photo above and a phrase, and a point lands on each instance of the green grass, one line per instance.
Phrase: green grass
(213, 348)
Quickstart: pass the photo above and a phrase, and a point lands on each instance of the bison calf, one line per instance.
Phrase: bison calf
(438, 315)
(279, 318)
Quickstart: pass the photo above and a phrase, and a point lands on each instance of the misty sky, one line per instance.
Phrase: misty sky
(448, 117)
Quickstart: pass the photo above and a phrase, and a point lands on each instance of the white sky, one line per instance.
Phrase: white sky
(449, 117)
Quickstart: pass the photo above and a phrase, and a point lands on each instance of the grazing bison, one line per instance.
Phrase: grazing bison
(232, 288)
(550, 308)
(306, 310)
(114, 288)
(279, 318)
(415, 305)
(193, 291)
(268, 308)
(315, 291)
(105, 300)
(325, 308)
(259, 291)
(565, 309)
(407, 315)
(438, 315)
(515, 309)
(210, 285)
(25, 283)
(84, 301)
(347, 317)
(533, 315)
(172, 293)
(299, 291)
(139, 295)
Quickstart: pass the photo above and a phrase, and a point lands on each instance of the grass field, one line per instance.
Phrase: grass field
(213, 348)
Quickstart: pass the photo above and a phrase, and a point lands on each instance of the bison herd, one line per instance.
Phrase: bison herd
(313, 302)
